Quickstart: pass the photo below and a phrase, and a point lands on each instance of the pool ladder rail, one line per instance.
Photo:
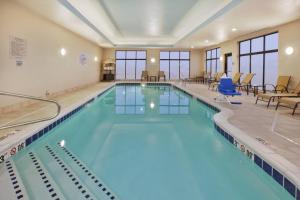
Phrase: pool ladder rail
(6, 126)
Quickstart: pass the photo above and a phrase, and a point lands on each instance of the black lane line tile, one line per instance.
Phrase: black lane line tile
(66, 170)
(14, 182)
(85, 170)
(43, 176)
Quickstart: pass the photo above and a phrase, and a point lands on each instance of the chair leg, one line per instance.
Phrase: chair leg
(295, 107)
(277, 105)
(269, 102)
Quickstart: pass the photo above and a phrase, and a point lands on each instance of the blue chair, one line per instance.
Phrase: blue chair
(227, 88)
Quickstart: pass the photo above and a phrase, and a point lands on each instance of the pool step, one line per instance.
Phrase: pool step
(11, 184)
(36, 179)
(95, 184)
(70, 183)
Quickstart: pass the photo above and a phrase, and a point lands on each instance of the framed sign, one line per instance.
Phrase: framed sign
(83, 59)
(17, 49)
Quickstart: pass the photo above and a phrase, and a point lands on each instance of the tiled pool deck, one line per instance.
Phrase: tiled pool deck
(280, 136)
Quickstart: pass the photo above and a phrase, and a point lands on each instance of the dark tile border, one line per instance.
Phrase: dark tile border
(48, 128)
(264, 165)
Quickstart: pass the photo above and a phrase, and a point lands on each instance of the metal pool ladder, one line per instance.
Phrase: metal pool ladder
(32, 98)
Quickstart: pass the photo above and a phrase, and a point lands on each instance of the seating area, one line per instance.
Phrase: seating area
(280, 94)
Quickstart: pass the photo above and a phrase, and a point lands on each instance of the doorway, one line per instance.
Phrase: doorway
(228, 64)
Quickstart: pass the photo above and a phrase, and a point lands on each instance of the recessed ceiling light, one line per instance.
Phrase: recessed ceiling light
(234, 29)
(206, 41)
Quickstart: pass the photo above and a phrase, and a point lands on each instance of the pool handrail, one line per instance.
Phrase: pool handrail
(6, 126)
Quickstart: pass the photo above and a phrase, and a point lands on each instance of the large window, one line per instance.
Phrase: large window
(130, 64)
(260, 56)
(213, 63)
(175, 64)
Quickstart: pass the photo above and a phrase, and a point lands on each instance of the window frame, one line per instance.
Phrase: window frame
(212, 59)
(173, 59)
(263, 52)
(135, 59)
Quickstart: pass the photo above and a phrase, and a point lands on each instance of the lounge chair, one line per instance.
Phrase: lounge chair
(161, 74)
(215, 81)
(227, 88)
(281, 85)
(268, 97)
(235, 80)
(290, 102)
(144, 76)
(246, 82)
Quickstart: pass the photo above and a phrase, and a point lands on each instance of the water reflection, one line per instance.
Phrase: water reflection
(137, 100)
(173, 102)
(129, 100)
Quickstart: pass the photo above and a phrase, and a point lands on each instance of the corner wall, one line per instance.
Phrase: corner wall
(288, 36)
(44, 69)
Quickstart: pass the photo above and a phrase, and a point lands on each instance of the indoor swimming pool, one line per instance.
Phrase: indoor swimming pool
(139, 142)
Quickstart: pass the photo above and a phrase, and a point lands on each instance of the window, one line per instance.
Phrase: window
(213, 63)
(260, 56)
(175, 64)
(130, 64)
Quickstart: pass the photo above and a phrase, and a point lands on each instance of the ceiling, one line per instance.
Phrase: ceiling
(164, 23)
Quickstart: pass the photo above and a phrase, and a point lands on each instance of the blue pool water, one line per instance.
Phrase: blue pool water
(143, 143)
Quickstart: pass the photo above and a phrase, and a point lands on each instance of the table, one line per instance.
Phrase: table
(255, 89)
(152, 77)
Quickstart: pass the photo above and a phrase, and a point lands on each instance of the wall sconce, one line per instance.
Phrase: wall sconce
(63, 51)
(152, 60)
(289, 50)
(221, 58)
(96, 59)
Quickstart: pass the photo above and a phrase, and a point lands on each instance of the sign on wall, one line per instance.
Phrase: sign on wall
(83, 59)
(17, 49)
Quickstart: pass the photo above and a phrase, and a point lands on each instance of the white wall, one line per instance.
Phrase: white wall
(44, 68)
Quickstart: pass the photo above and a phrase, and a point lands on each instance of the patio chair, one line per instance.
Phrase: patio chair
(268, 97)
(145, 75)
(226, 88)
(215, 81)
(235, 80)
(281, 85)
(289, 102)
(245, 84)
(161, 74)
